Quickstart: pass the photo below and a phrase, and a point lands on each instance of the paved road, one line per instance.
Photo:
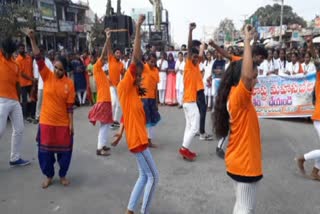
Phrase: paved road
(102, 185)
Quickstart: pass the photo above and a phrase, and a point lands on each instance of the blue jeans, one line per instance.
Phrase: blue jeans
(147, 181)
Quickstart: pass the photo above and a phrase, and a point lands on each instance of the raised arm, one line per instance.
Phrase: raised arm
(109, 45)
(201, 52)
(31, 35)
(192, 26)
(104, 50)
(43, 70)
(247, 72)
(137, 53)
(222, 51)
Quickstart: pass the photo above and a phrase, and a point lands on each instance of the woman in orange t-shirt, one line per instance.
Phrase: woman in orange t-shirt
(315, 154)
(235, 115)
(55, 134)
(134, 122)
(102, 110)
(150, 80)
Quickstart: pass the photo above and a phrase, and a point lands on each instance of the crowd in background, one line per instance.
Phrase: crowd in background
(283, 62)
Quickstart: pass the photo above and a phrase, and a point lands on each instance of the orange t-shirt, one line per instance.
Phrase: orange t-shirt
(25, 66)
(235, 58)
(316, 113)
(115, 70)
(244, 155)
(57, 95)
(191, 78)
(102, 82)
(9, 77)
(134, 119)
(150, 79)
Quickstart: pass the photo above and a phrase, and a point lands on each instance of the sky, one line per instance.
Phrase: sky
(207, 12)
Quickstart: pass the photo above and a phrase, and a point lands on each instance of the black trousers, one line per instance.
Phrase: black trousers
(28, 108)
(201, 103)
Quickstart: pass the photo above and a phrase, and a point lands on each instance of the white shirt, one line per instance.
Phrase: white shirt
(207, 70)
(266, 66)
(293, 68)
(126, 64)
(276, 63)
(164, 66)
(282, 67)
(310, 68)
(36, 73)
(179, 67)
(105, 67)
(202, 66)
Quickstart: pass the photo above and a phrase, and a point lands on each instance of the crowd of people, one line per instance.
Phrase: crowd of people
(124, 92)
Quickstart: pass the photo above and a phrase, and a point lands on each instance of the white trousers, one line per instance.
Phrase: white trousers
(103, 137)
(192, 115)
(315, 154)
(223, 143)
(179, 97)
(245, 197)
(150, 133)
(12, 109)
(39, 103)
(82, 99)
(116, 109)
(162, 94)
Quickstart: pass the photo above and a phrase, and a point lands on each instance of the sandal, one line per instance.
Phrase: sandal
(101, 152)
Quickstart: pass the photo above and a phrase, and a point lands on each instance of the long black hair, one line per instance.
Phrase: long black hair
(220, 115)
(8, 46)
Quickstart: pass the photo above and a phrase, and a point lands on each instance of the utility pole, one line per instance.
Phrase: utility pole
(281, 21)
(109, 8)
(119, 7)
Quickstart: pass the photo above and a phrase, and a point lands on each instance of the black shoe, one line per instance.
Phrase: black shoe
(35, 121)
(116, 124)
(220, 153)
(114, 127)
(29, 119)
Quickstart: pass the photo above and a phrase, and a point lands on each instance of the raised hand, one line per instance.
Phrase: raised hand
(28, 32)
(249, 32)
(141, 19)
(211, 42)
(108, 33)
(192, 26)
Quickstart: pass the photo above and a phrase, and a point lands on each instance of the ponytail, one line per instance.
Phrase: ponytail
(220, 115)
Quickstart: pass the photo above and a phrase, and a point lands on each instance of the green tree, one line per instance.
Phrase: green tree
(270, 16)
(14, 17)
(225, 31)
(97, 37)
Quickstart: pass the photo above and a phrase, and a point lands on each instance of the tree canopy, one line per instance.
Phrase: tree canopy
(225, 31)
(13, 18)
(270, 16)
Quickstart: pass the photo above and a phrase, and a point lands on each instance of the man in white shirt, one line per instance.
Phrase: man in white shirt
(37, 76)
(207, 75)
(163, 67)
(179, 67)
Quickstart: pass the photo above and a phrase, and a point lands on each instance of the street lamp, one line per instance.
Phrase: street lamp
(281, 19)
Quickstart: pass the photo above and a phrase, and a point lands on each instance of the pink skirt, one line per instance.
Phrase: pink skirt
(101, 112)
(171, 96)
